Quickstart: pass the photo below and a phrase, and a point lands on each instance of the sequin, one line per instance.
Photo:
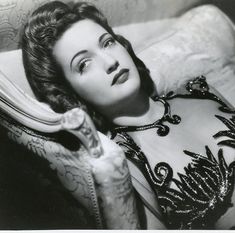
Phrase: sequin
(162, 129)
(206, 188)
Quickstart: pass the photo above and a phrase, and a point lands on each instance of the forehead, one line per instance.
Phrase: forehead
(82, 35)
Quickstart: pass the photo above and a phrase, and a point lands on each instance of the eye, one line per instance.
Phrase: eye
(109, 42)
(83, 65)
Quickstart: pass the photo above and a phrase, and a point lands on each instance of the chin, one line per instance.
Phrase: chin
(129, 89)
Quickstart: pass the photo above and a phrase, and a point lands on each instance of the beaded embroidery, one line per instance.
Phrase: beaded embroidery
(230, 133)
(162, 129)
(206, 187)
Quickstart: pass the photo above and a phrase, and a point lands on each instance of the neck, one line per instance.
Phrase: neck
(136, 111)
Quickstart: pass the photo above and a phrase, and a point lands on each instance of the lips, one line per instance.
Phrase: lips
(120, 77)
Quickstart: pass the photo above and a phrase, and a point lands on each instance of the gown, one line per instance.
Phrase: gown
(198, 196)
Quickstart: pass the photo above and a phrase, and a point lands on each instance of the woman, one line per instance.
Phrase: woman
(184, 162)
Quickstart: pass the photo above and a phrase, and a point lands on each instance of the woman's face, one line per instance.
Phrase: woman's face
(98, 68)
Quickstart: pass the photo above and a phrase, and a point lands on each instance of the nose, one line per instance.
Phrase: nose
(112, 67)
(111, 64)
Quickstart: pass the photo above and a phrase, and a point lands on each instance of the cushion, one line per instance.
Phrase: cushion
(201, 42)
(11, 66)
(13, 14)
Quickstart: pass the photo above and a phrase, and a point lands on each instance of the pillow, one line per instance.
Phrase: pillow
(142, 35)
(13, 14)
(11, 66)
(201, 42)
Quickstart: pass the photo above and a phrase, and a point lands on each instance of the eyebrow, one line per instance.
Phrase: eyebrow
(77, 54)
(85, 51)
(102, 36)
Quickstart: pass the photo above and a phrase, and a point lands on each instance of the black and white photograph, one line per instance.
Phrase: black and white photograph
(117, 115)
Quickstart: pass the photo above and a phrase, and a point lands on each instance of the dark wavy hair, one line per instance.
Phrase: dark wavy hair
(46, 78)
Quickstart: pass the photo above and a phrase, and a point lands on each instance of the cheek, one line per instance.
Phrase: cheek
(92, 88)
(126, 60)
(125, 55)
